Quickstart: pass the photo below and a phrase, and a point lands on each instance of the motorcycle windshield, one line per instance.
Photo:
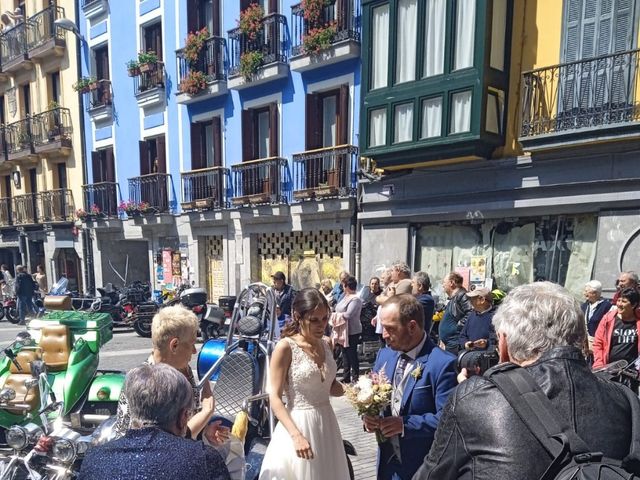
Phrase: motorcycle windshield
(60, 287)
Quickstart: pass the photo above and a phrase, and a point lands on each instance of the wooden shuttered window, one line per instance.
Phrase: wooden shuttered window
(248, 135)
(161, 165)
(200, 144)
(342, 123)
(250, 132)
(313, 130)
(103, 165)
(315, 117)
(152, 156)
(146, 166)
(274, 147)
(153, 39)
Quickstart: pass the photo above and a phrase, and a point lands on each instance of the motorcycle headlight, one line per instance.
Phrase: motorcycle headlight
(17, 437)
(64, 451)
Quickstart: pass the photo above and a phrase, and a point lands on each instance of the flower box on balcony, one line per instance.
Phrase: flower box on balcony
(338, 52)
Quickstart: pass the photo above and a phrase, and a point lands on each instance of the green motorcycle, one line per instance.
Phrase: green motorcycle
(65, 345)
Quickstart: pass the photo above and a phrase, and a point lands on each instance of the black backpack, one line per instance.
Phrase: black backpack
(572, 457)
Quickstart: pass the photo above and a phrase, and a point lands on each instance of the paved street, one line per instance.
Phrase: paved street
(127, 349)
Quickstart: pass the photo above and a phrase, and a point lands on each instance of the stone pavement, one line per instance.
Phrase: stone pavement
(364, 465)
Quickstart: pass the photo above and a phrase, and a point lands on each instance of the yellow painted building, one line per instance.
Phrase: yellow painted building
(41, 162)
(507, 133)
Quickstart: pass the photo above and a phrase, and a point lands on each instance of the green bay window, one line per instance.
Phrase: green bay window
(435, 73)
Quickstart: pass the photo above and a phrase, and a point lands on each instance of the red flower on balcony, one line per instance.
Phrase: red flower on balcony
(312, 10)
(194, 43)
(193, 83)
(319, 39)
(250, 22)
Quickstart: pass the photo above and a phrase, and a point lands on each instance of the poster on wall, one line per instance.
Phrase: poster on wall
(167, 267)
(176, 267)
(478, 269)
(216, 278)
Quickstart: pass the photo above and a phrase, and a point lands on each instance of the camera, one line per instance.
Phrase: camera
(477, 361)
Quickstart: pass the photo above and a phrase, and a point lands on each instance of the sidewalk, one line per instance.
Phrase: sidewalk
(364, 465)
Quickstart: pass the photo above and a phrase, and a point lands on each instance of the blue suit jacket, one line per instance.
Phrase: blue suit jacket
(422, 402)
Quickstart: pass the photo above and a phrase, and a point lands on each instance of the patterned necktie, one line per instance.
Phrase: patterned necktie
(400, 368)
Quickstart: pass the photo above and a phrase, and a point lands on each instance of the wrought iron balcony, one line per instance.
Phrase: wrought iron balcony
(5, 212)
(154, 78)
(338, 21)
(51, 131)
(153, 189)
(326, 172)
(580, 96)
(56, 206)
(269, 46)
(261, 181)
(25, 209)
(19, 139)
(44, 38)
(210, 63)
(104, 195)
(205, 188)
(13, 48)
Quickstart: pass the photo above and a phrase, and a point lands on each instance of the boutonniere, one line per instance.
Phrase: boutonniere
(417, 372)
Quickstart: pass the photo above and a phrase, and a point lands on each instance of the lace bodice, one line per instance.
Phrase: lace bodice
(305, 388)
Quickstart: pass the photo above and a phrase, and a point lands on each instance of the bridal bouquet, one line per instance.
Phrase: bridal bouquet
(370, 396)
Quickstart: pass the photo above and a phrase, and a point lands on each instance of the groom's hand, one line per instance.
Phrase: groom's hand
(371, 424)
(391, 426)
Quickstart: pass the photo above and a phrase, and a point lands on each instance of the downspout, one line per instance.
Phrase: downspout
(87, 250)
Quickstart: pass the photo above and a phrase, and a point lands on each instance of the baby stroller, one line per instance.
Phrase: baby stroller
(239, 365)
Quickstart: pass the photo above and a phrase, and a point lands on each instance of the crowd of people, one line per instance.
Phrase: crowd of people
(442, 422)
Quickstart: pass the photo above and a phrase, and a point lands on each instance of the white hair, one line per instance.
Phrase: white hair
(594, 286)
(538, 317)
(156, 395)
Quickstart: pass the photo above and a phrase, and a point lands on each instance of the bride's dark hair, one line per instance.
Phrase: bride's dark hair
(305, 302)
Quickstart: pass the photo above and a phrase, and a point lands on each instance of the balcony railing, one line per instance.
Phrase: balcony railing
(25, 209)
(343, 16)
(52, 128)
(5, 212)
(41, 28)
(270, 42)
(149, 80)
(56, 206)
(19, 139)
(205, 188)
(100, 96)
(210, 61)
(13, 46)
(103, 195)
(326, 172)
(153, 189)
(261, 181)
(588, 94)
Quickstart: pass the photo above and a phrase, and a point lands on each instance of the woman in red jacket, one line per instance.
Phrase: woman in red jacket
(617, 334)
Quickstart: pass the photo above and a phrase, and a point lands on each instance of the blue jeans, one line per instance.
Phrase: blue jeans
(25, 304)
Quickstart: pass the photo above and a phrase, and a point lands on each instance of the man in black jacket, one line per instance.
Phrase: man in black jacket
(540, 327)
(25, 286)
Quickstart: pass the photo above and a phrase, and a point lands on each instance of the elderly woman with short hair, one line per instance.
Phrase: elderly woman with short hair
(160, 406)
(174, 331)
(595, 307)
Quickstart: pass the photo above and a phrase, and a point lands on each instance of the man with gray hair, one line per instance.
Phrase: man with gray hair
(160, 401)
(541, 329)
(594, 307)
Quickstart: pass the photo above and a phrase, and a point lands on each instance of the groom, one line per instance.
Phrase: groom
(422, 376)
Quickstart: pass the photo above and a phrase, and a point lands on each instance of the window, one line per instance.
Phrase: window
(403, 123)
(380, 44)
(2, 113)
(206, 144)
(152, 35)
(7, 186)
(152, 156)
(26, 100)
(204, 13)
(260, 139)
(436, 21)
(103, 165)
(498, 34)
(54, 81)
(406, 42)
(495, 111)
(101, 59)
(378, 127)
(327, 118)
(33, 181)
(460, 112)
(465, 32)
(431, 118)
(62, 176)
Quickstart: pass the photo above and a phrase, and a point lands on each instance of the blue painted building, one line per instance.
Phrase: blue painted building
(226, 150)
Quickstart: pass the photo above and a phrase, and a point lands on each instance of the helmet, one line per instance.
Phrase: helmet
(497, 295)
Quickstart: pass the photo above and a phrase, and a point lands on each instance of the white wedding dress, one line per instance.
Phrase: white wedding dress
(308, 404)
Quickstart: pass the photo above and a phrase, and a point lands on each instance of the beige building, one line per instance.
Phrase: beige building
(41, 165)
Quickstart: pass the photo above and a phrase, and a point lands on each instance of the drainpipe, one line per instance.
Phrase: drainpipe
(87, 249)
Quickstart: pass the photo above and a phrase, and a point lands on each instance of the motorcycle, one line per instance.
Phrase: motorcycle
(10, 309)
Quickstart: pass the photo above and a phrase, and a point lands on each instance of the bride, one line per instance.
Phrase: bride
(306, 443)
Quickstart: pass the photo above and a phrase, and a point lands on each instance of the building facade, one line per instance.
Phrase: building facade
(507, 133)
(41, 167)
(240, 141)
